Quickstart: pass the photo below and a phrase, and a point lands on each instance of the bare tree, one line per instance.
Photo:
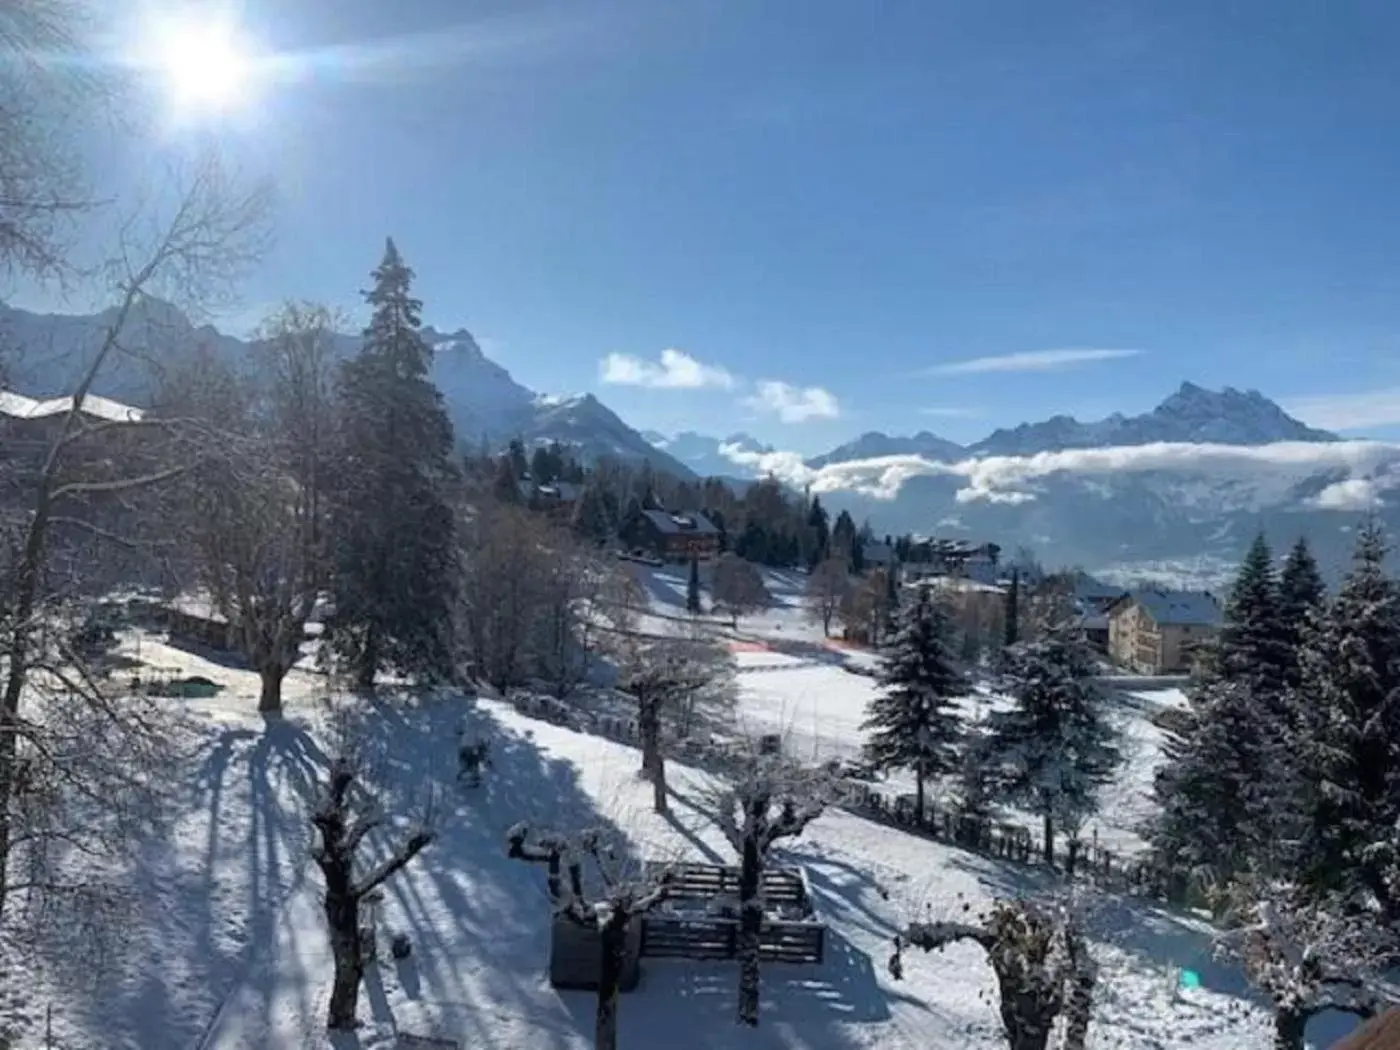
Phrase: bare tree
(1041, 962)
(42, 95)
(1307, 955)
(865, 607)
(344, 818)
(666, 675)
(256, 509)
(212, 233)
(622, 900)
(738, 587)
(827, 588)
(767, 799)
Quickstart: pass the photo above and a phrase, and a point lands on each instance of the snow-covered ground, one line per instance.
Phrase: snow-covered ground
(222, 943)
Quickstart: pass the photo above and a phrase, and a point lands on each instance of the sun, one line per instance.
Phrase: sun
(206, 66)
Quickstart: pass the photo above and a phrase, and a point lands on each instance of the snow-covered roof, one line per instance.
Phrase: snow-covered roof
(18, 406)
(877, 553)
(674, 524)
(1179, 608)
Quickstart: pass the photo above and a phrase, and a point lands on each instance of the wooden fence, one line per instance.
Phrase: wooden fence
(711, 929)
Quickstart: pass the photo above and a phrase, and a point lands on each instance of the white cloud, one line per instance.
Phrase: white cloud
(1029, 361)
(1352, 494)
(1373, 408)
(1010, 479)
(674, 370)
(793, 404)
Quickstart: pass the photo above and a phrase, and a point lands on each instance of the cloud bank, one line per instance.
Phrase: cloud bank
(1373, 408)
(1372, 466)
(674, 370)
(1029, 361)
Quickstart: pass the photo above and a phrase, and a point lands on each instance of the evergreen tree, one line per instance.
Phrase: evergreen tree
(1301, 595)
(1012, 620)
(1250, 647)
(843, 537)
(590, 520)
(1226, 781)
(395, 571)
(692, 588)
(914, 723)
(820, 532)
(519, 463)
(1350, 745)
(1052, 751)
(505, 485)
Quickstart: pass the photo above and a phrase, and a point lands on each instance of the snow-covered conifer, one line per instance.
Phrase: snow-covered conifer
(913, 724)
(1349, 703)
(1055, 747)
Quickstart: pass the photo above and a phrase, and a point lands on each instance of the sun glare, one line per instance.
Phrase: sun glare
(206, 66)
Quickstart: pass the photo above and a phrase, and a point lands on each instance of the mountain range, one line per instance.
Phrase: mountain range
(1176, 491)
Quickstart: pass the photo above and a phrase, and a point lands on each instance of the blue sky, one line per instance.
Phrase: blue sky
(824, 204)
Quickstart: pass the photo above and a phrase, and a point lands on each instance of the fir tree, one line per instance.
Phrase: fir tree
(1350, 745)
(1224, 786)
(692, 588)
(1012, 619)
(914, 723)
(818, 528)
(395, 565)
(1301, 595)
(590, 520)
(1250, 647)
(1051, 751)
(505, 485)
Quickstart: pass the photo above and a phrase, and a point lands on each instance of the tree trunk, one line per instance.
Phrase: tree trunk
(1289, 1028)
(750, 925)
(612, 942)
(659, 803)
(1048, 831)
(368, 662)
(919, 798)
(270, 696)
(1027, 1020)
(1081, 999)
(343, 921)
(1071, 854)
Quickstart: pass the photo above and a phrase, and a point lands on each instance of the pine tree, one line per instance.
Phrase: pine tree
(1225, 786)
(1301, 595)
(1055, 747)
(914, 723)
(1350, 745)
(818, 528)
(590, 519)
(692, 588)
(395, 568)
(1012, 619)
(1250, 647)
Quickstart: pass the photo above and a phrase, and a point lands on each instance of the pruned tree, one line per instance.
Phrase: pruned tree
(623, 897)
(344, 818)
(738, 587)
(1041, 961)
(827, 587)
(1052, 751)
(212, 233)
(1306, 954)
(667, 676)
(913, 724)
(767, 799)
